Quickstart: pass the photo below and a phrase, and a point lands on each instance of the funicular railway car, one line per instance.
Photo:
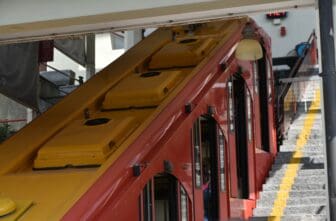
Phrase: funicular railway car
(177, 128)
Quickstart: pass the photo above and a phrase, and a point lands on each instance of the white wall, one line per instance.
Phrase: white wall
(104, 53)
(299, 25)
(11, 110)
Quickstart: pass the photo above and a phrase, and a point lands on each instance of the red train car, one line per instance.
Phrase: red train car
(200, 151)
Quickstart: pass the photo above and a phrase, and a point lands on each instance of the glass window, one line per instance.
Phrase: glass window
(221, 142)
(147, 202)
(231, 110)
(249, 115)
(269, 80)
(255, 77)
(184, 205)
(197, 153)
(165, 197)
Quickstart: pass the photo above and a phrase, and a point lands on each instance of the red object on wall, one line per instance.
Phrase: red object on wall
(313, 52)
(283, 31)
(46, 51)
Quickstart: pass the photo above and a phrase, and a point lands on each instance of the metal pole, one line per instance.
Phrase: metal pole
(132, 37)
(90, 56)
(329, 92)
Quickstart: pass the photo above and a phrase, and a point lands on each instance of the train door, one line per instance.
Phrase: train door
(240, 122)
(261, 73)
(164, 199)
(210, 169)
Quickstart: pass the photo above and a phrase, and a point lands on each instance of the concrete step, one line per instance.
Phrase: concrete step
(304, 218)
(294, 218)
(305, 210)
(318, 200)
(300, 122)
(317, 148)
(316, 129)
(305, 179)
(317, 125)
(293, 141)
(269, 195)
(301, 173)
(294, 210)
(68, 88)
(287, 154)
(296, 186)
(304, 160)
(292, 138)
(302, 166)
(60, 79)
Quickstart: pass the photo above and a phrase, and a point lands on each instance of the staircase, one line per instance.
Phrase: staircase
(55, 85)
(296, 187)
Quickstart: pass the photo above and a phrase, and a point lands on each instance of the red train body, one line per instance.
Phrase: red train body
(176, 129)
(213, 144)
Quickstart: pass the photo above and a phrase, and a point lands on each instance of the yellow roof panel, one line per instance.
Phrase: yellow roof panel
(84, 142)
(182, 53)
(142, 90)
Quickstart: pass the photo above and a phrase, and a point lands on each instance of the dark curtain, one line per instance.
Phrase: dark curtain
(19, 74)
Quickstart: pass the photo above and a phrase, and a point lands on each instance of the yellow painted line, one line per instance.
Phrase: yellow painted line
(293, 167)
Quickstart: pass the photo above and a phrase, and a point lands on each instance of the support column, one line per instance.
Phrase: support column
(329, 92)
(90, 55)
(132, 37)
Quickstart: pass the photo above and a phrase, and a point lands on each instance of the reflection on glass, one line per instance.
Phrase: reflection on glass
(184, 205)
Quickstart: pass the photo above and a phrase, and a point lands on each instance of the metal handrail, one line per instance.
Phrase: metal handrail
(55, 86)
(5, 121)
(292, 74)
(79, 80)
(297, 65)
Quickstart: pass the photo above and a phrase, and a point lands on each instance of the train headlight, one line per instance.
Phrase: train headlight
(249, 50)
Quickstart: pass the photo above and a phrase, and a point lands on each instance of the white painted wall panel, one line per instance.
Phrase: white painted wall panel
(299, 25)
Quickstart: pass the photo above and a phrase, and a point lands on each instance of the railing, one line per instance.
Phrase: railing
(80, 79)
(292, 86)
(6, 121)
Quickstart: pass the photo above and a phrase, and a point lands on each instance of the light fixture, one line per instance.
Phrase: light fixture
(249, 49)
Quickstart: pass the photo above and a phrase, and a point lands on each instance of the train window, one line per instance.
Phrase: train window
(197, 153)
(264, 90)
(184, 203)
(210, 170)
(221, 145)
(231, 110)
(159, 199)
(147, 202)
(165, 195)
(249, 115)
(269, 80)
(241, 138)
(255, 77)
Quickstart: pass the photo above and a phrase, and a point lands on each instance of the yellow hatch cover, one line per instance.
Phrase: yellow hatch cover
(142, 90)
(84, 143)
(14, 209)
(182, 53)
(7, 206)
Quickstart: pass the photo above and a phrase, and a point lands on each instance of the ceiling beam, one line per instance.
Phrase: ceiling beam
(40, 19)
